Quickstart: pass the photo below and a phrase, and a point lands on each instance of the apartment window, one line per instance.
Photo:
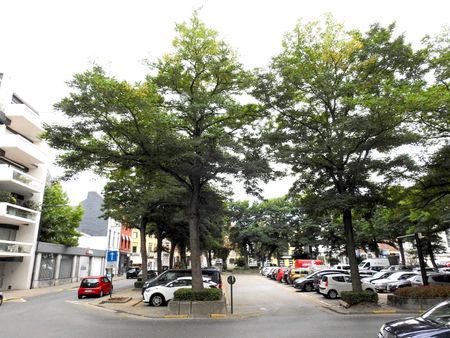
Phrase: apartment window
(8, 234)
(134, 249)
(135, 234)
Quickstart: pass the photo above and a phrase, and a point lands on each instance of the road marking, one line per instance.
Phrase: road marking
(263, 309)
(15, 300)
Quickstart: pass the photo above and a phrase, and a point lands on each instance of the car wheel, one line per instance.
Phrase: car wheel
(370, 290)
(157, 300)
(332, 294)
(308, 287)
(1, 301)
(101, 293)
(80, 296)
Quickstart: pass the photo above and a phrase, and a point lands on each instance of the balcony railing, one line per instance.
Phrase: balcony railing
(16, 181)
(11, 248)
(15, 214)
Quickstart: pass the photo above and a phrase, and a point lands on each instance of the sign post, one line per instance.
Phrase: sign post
(111, 259)
(231, 280)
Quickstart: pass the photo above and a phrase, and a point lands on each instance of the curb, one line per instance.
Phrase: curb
(176, 316)
(217, 315)
(384, 312)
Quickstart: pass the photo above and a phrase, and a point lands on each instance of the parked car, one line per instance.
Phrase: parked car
(280, 274)
(331, 286)
(274, 273)
(342, 267)
(367, 273)
(382, 284)
(173, 274)
(379, 275)
(161, 294)
(150, 275)
(133, 272)
(433, 279)
(435, 322)
(310, 282)
(1, 298)
(398, 268)
(95, 286)
(296, 273)
(403, 283)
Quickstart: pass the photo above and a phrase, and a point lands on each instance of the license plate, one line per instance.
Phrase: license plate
(87, 291)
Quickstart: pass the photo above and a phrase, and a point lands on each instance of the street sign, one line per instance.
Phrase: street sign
(111, 256)
(231, 280)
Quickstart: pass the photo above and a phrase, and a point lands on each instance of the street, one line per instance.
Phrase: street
(263, 309)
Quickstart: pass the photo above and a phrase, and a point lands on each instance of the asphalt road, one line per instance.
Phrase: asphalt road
(267, 309)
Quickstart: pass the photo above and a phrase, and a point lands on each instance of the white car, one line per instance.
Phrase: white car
(381, 285)
(332, 285)
(161, 294)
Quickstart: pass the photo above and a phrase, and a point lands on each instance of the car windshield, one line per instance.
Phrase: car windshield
(439, 314)
(395, 276)
(89, 283)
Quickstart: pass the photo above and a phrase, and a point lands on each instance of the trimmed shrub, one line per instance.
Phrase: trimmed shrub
(420, 292)
(204, 295)
(138, 284)
(353, 298)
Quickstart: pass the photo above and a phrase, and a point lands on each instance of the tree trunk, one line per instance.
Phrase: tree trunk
(402, 252)
(431, 254)
(194, 236)
(173, 244)
(143, 233)
(159, 250)
(183, 259)
(350, 246)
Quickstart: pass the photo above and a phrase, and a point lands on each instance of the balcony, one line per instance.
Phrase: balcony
(18, 182)
(24, 120)
(21, 150)
(14, 249)
(16, 215)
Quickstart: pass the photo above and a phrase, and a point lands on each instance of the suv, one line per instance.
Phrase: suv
(173, 274)
(311, 282)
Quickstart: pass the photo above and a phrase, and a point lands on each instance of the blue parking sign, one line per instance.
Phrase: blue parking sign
(111, 256)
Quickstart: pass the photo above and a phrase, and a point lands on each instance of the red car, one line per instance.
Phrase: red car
(280, 274)
(95, 285)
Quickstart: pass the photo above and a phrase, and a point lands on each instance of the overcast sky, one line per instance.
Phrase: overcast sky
(45, 42)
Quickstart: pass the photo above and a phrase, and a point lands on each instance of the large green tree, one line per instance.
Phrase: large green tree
(338, 100)
(59, 220)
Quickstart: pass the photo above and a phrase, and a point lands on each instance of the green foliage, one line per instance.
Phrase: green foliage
(353, 298)
(6, 196)
(138, 284)
(203, 295)
(424, 292)
(240, 262)
(59, 220)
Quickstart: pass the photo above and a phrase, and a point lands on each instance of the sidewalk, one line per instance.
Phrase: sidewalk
(17, 295)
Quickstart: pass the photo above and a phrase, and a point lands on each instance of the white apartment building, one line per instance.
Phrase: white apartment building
(23, 170)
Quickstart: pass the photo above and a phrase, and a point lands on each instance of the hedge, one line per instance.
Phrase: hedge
(203, 295)
(138, 285)
(420, 292)
(353, 298)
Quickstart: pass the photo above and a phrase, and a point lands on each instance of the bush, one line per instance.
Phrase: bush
(353, 298)
(240, 262)
(204, 295)
(138, 284)
(424, 292)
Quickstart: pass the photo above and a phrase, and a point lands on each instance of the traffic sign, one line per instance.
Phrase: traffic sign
(231, 280)
(111, 256)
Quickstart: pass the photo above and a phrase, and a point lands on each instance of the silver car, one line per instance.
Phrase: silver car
(381, 285)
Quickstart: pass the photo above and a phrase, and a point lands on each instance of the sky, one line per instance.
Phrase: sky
(44, 42)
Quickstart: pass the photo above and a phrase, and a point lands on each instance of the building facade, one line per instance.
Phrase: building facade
(99, 233)
(23, 170)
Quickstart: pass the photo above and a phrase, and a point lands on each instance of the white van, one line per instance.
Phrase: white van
(374, 263)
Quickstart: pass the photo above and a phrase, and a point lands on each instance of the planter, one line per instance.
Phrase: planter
(197, 308)
(413, 304)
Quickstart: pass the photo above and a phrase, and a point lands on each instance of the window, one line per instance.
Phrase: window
(339, 279)
(231, 260)
(134, 249)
